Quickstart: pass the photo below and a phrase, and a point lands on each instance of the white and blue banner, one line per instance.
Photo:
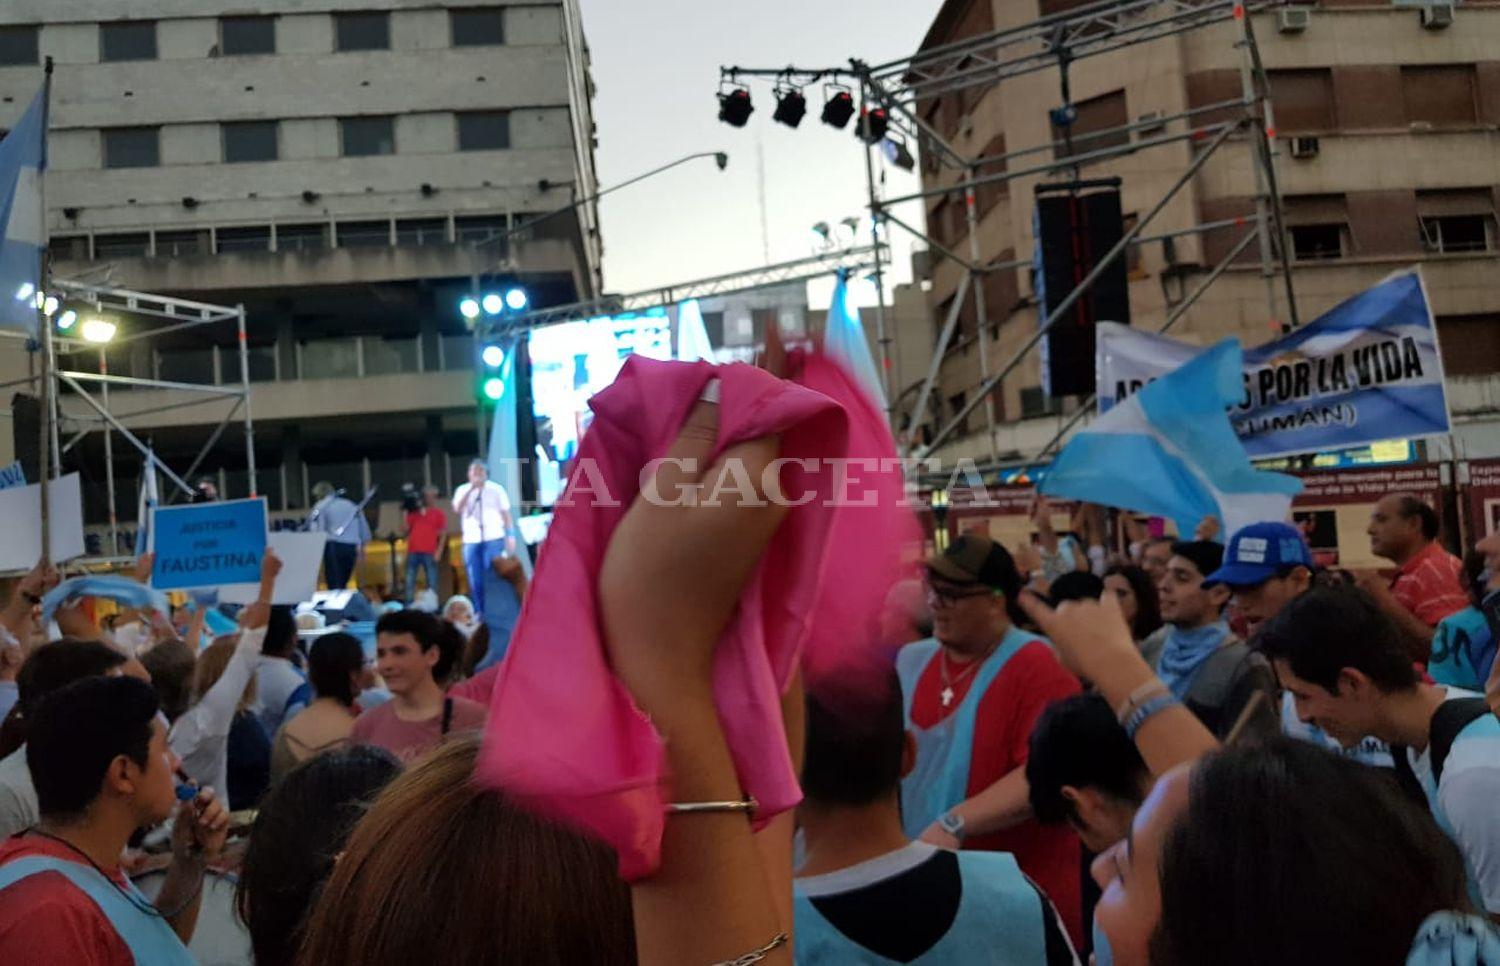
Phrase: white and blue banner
(1169, 450)
(23, 158)
(1366, 370)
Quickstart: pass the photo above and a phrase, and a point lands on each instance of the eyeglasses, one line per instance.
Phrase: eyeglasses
(948, 596)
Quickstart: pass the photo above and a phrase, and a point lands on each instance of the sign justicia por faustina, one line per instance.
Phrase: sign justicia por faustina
(208, 544)
(1366, 370)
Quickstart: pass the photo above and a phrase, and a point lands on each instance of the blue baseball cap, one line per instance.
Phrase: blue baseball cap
(1257, 552)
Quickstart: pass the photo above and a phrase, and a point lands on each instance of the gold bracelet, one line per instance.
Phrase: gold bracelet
(748, 805)
(756, 955)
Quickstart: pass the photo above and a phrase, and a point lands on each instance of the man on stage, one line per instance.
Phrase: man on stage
(484, 510)
(348, 532)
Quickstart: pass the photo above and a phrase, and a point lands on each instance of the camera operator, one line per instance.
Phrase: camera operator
(426, 533)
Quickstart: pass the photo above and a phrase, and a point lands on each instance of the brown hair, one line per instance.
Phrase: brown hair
(171, 664)
(441, 870)
(211, 664)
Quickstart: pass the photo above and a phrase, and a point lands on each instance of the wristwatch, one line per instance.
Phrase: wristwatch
(953, 824)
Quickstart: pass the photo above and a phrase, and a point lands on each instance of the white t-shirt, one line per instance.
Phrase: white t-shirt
(1466, 803)
(18, 807)
(484, 518)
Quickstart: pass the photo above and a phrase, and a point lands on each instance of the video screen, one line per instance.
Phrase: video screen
(569, 363)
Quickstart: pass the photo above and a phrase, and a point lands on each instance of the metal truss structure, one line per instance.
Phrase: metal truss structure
(92, 388)
(902, 86)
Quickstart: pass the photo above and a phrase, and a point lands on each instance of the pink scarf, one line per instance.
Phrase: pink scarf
(564, 736)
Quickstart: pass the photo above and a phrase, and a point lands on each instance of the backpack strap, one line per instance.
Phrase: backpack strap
(447, 715)
(1448, 721)
(1407, 778)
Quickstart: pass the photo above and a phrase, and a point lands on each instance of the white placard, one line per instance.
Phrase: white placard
(21, 508)
(301, 555)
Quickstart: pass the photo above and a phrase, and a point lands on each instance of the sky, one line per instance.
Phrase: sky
(656, 69)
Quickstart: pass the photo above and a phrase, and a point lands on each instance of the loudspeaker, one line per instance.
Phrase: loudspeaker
(26, 434)
(1076, 225)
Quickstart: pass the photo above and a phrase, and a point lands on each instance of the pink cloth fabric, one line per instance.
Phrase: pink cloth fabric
(564, 736)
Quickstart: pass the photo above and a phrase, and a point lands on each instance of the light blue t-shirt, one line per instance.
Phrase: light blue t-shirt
(1463, 650)
(1369, 751)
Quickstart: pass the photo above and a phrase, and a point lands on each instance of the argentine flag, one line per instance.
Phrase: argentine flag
(23, 158)
(1170, 451)
(692, 334)
(844, 339)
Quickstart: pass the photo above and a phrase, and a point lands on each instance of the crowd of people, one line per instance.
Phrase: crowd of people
(1148, 751)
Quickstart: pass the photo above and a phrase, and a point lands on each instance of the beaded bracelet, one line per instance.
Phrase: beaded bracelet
(1144, 713)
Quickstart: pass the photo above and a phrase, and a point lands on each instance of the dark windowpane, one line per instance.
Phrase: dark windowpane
(247, 35)
(330, 359)
(131, 147)
(18, 44)
(129, 40)
(1456, 233)
(362, 31)
(384, 356)
(480, 227)
(364, 234)
(186, 365)
(422, 232)
(477, 28)
(1317, 242)
(484, 131)
(121, 246)
(69, 247)
(365, 136)
(301, 238)
(713, 324)
(171, 244)
(250, 141)
(1440, 95)
(256, 239)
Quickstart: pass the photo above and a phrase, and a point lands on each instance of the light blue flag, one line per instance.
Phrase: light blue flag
(844, 338)
(23, 158)
(692, 336)
(150, 499)
(1170, 451)
(504, 460)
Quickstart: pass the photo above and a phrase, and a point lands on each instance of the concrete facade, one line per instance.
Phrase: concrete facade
(350, 264)
(1406, 118)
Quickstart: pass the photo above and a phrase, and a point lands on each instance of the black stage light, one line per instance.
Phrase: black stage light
(735, 107)
(898, 154)
(838, 107)
(873, 122)
(791, 106)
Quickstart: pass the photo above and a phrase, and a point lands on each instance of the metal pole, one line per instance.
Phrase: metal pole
(1267, 161)
(49, 365)
(245, 386)
(919, 414)
(1262, 215)
(212, 440)
(1083, 286)
(875, 239)
(134, 440)
(109, 461)
(971, 213)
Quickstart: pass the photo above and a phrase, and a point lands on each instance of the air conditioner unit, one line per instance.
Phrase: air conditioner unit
(1149, 123)
(1293, 20)
(1304, 147)
(1437, 16)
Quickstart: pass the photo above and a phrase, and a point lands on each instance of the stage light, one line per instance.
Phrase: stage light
(50, 305)
(791, 106)
(838, 106)
(873, 123)
(516, 299)
(493, 356)
(26, 291)
(897, 154)
(823, 233)
(97, 330)
(66, 320)
(494, 388)
(493, 304)
(735, 107)
(469, 308)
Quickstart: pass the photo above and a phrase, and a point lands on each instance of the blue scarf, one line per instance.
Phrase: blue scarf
(1185, 652)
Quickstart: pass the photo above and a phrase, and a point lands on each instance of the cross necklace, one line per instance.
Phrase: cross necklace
(946, 695)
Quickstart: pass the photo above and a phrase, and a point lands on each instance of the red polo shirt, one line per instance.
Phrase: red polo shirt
(426, 528)
(44, 918)
(1430, 585)
(1030, 681)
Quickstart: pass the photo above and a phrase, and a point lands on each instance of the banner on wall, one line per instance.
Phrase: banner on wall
(1484, 498)
(1366, 370)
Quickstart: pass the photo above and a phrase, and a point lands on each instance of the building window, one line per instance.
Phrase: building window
(247, 35)
(1441, 95)
(1457, 220)
(132, 147)
(477, 27)
(480, 228)
(132, 245)
(1318, 226)
(366, 136)
(421, 232)
(1469, 343)
(484, 131)
(249, 141)
(956, 403)
(362, 31)
(1318, 242)
(18, 45)
(1302, 99)
(1035, 403)
(173, 244)
(127, 40)
(1095, 115)
(301, 238)
(364, 234)
(232, 240)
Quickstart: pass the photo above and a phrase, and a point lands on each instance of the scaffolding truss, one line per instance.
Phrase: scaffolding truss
(903, 86)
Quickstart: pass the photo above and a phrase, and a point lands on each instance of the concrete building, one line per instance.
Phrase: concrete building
(1394, 114)
(343, 169)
